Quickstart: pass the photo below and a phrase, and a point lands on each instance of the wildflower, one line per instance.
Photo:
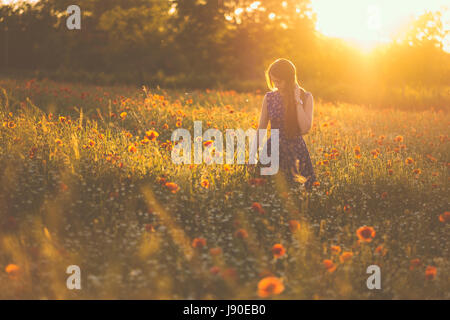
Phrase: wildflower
(414, 263)
(204, 183)
(398, 139)
(294, 225)
(409, 160)
(12, 270)
(63, 187)
(381, 250)
(445, 217)
(132, 149)
(172, 186)
(430, 272)
(123, 115)
(345, 256)
(329, 265)
(151, 135)
(199, 243)
(11, 125)
(278, 250)
(357, 151)
(207, 143)
(241, 234)
(335, 249)
(269, 286)
(365, 234)
(258, 208)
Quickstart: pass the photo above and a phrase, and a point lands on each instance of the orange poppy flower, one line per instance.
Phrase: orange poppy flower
(381, 250)
(357, 151)
(199, 243)
(258, 208)
(409, 160)
(270, 286)
(445, 217)
(414, 263)
(365, 233)
(430, 272)
(278, 250)
(345, 256)
(241, 234)
(172, 186)
(335, 249)
(329, 265)
(12, 270)
(294, 225)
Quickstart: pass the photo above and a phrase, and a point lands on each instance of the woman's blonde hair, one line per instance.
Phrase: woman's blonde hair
(284, 69)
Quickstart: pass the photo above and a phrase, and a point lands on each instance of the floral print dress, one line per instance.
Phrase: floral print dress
(290, 149)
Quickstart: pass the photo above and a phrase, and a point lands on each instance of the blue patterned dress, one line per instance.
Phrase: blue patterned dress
(289, 149)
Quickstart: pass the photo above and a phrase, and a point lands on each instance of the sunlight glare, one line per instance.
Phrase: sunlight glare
(369, 23)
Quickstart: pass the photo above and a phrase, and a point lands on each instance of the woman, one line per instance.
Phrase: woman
(290, 110)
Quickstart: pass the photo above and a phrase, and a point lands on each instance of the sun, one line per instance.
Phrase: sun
(369, 23)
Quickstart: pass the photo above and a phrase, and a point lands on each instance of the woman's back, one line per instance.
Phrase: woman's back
(294, 155)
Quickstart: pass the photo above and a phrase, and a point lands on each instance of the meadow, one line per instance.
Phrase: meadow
(87, 179)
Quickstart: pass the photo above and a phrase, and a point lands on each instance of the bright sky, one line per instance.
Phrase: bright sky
(370, 22)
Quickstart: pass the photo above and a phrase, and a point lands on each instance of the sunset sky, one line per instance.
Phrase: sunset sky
(368, 23)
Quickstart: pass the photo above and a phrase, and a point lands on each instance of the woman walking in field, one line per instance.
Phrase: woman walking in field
(290, 110)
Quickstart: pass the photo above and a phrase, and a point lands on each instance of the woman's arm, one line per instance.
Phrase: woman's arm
(263, 119)
(305, 114)
(263, 122)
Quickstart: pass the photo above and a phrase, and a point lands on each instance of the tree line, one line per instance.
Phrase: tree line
(203, 43)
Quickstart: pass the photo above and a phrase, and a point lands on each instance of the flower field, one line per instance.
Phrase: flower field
(87, 179)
